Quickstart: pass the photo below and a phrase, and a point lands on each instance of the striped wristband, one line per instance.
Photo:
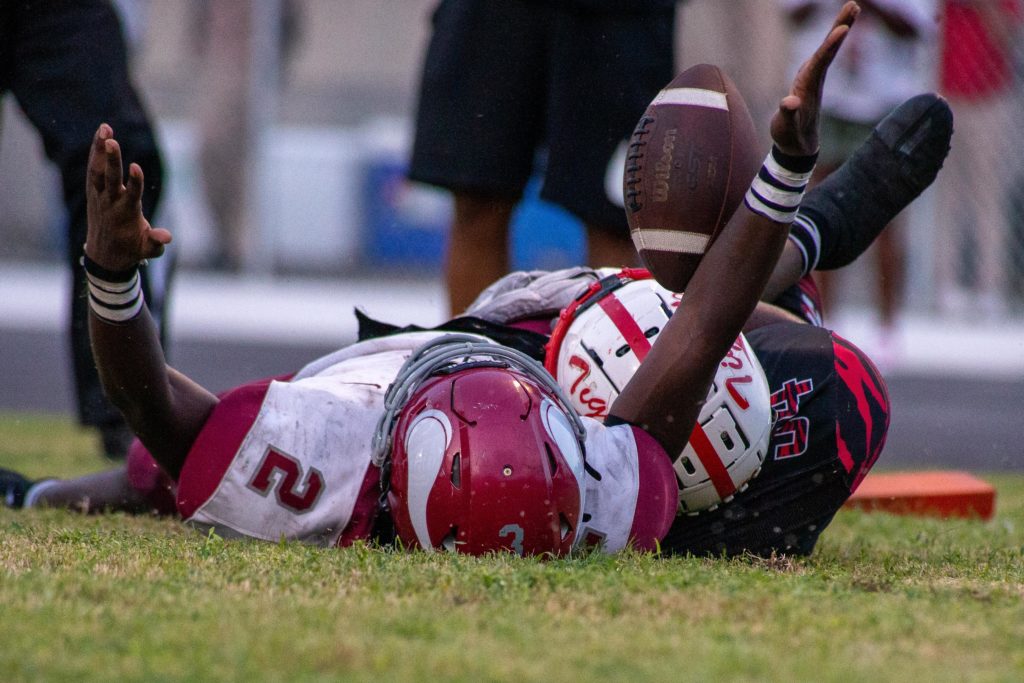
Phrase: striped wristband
(806, 236)
(114, 295)
(779, 186)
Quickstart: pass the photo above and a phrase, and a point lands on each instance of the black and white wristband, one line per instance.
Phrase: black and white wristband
(114, 295)
(805, 234)
(779, 186)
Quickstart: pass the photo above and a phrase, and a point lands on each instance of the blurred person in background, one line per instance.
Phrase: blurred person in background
(66, 64)
(977, 76)
(1016, 180)
(225, 32)
(886, 60)
(722, 33)
(503, 79)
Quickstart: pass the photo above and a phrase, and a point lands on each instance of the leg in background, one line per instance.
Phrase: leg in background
(60, 48)
(890, 258)
(608, 248)
(478, 250)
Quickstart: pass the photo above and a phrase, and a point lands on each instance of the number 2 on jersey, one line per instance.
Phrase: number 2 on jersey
(283, 474)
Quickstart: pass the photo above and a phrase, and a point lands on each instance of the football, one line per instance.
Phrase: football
(691, 159)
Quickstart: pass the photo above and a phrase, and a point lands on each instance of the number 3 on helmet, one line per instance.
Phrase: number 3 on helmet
(481, 452)
(598, 344)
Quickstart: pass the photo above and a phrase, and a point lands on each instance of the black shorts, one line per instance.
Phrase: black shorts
(505, 78)
(832, 412)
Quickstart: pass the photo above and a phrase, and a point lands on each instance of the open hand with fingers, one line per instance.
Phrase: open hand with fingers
(119, 235)
(794, 127)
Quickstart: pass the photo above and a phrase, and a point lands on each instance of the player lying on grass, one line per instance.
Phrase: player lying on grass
(836, 222)
(594, 329)
(889, 170)
(256, 462)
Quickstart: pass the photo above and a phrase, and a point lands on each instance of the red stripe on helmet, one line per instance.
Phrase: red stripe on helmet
(712, 463)
(568, 314)
(626, 325)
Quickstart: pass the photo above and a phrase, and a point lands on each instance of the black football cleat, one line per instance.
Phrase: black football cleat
(13, 488)
(897, 162)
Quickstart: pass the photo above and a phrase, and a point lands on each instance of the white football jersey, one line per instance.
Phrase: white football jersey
(291, 459)
(632, 493)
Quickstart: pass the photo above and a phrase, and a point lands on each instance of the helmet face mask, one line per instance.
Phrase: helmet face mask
(481, 454)
(597, 346)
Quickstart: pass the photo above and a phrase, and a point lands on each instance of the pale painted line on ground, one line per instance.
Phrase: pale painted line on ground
(297, 310)
(305, 310)
(33, 297)
(932, 345)
(205, 306)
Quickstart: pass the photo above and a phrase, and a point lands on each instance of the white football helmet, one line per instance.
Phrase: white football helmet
(598, 344)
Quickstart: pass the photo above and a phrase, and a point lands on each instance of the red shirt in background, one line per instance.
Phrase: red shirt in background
(975, 63)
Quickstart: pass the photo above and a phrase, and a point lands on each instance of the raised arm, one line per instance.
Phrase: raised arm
(163, 407)
(666, 393)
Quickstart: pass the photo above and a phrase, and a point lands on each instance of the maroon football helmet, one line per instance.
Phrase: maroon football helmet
(481, 452)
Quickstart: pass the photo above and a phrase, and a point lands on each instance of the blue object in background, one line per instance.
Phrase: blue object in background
(406, 225)
(544, 235)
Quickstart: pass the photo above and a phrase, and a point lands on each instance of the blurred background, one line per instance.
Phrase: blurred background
(317, 99)
(329, 105)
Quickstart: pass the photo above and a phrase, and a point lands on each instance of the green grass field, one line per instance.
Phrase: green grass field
(119, 598)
